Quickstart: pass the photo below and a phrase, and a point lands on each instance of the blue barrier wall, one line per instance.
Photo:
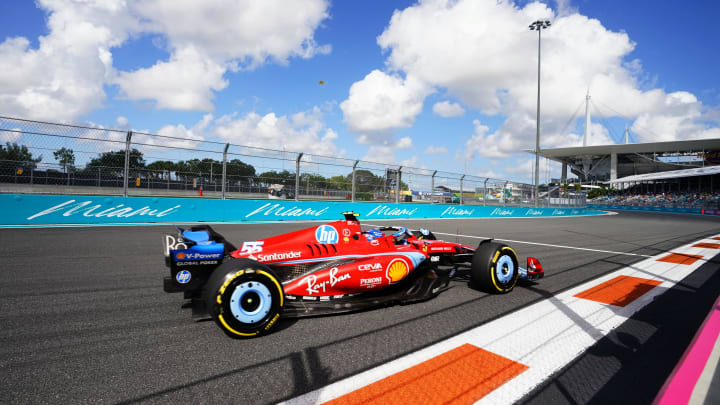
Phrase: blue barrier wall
(32, 209)
(697, 211)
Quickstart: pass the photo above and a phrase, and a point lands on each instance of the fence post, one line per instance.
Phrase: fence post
(126, 174)
(353, 180)
(432, 187)
(224, 176)
(297, 176)
(397, 185)
(461, 188)
(32, 171)
(485, 192)
(503, 194)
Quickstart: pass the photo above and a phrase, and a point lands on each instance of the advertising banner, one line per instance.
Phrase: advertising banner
(32, 209)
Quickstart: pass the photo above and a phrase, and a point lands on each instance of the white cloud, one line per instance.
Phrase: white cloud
(484, 144)
(64, 77)
(482, 53)
(680, 115)
(384, 152)
(435, 150)
(489, 173)
(524, 167)
(410, 162)
(404, 143)
(303, 132)
(447, 109)
(246, 31)
(12, 135)
(379, 105)
(208, 38)
(381, 102)
(186, 82)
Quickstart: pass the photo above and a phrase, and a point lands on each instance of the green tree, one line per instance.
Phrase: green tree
(183, 170)
(366, 181)
(597, 192)
(343, 183)
(114, 161)
(161, 168)
(239, 171)
(66, 158)
(20, 154)
(309, 182)
(284, 177)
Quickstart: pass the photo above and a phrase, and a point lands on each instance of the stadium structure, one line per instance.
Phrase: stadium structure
(675, 165)
(641, 162)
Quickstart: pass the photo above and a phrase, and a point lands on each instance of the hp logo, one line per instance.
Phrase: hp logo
(183, 277)
(326, 234)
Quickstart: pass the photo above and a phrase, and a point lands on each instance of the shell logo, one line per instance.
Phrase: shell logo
(180, 256)
(397, 270)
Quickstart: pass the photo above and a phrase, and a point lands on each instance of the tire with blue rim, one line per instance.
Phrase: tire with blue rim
(244, 298)
(494, 268)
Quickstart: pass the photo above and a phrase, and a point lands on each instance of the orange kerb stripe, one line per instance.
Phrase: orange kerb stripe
(461, 376)
(680, 258)
(707, 245)
(620, 291)
(716, 237)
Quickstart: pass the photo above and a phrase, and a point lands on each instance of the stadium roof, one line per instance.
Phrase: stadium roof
(673, 174)
(611, 162)
(653, 147)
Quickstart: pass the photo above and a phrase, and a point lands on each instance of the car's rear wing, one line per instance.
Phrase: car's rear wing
(192, 254)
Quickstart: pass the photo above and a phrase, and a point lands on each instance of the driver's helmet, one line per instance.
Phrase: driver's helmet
(373, 234)
(401, 235)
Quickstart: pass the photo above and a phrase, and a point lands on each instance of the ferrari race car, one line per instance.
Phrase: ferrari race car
(331, 268)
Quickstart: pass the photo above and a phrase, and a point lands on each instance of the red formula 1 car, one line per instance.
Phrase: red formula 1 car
(330, 268)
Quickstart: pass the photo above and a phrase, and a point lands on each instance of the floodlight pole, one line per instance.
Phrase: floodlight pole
(538, 25)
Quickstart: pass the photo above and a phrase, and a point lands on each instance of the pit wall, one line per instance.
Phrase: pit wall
(694, 211)
(33, 209)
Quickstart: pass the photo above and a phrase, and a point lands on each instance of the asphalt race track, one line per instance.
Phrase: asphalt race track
(84, 319)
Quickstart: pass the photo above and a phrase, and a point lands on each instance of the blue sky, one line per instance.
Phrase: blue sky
(443, 84)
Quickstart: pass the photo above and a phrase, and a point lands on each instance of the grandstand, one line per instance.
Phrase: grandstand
(660, 174)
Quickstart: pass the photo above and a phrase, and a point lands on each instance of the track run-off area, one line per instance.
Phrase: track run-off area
(84, 318)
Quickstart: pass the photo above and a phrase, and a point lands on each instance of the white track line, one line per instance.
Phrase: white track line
(536, 243)
(545, 336)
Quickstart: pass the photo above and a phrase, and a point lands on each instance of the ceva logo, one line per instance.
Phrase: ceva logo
(326, 234)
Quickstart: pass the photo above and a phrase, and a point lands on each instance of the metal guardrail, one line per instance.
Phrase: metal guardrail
(40, 156)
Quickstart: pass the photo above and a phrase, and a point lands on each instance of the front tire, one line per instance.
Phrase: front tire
(244, 298)
(494, 268)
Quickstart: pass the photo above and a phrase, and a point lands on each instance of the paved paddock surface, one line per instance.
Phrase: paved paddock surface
(84, 318)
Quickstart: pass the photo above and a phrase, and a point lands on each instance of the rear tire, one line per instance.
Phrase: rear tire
(244, 298)
(494, 268)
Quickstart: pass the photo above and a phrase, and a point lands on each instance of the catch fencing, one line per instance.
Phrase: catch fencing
(52, 158)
